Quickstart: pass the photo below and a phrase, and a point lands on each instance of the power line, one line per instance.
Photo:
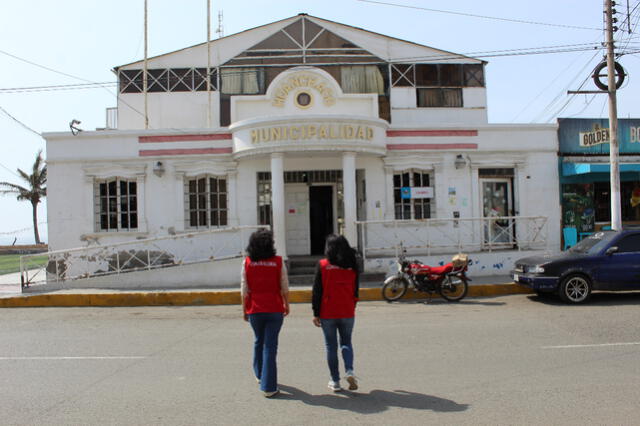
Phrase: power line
(68, 75)
(532, 51)
(9, 170)
(19, 122)
(57, 87)
(520, 21)
(43, 67)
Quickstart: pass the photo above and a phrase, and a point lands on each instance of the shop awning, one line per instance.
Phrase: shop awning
(571, 169)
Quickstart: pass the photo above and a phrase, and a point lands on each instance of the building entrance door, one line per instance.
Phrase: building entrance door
(496, 203)
(320, 216)
(297, 219)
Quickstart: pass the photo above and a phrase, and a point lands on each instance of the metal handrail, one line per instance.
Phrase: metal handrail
(59, 261)
(452, 235)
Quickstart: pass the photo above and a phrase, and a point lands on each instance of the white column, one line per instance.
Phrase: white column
(277, 204)
(389, 205)
(349, 196)
(232, 197)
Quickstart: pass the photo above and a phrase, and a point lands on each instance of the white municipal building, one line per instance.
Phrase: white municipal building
(310, 127)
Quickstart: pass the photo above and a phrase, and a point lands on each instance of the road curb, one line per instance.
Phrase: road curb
(209, 297)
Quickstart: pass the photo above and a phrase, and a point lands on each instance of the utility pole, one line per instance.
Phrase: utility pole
(616, 217)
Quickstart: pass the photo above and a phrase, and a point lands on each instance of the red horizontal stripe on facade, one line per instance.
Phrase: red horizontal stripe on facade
(187, 151)
(401, 146)
(413, 133)
(184, 138)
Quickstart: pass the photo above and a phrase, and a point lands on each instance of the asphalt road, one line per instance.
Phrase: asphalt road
(506, 360)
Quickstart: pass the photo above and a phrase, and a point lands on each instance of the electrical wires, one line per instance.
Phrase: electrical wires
(519, 21)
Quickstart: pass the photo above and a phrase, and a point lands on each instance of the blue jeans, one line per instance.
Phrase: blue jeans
(266, 328)
(331, 328)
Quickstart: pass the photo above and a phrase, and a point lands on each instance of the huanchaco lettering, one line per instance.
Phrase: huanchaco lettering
(303, 80)
(311, 132)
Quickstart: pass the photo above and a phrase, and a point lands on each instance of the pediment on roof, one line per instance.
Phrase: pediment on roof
(299, 40)
(303, 42)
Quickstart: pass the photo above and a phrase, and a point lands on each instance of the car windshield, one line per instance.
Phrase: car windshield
(593, 243)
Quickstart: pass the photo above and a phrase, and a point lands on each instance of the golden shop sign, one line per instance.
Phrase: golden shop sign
(301, 81)
(312, 132)
(598, 136)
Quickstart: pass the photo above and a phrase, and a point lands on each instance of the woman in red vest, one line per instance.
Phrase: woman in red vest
(265, 299)
(335, 293)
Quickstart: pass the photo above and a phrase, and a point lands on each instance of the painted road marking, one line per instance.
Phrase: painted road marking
(591, 346)
(38, 358)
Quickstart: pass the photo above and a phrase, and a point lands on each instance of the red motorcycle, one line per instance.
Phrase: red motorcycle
(449, 280)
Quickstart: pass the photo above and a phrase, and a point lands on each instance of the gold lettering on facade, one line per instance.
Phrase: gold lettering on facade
(303, 80)
(294, 131)
(311, 132)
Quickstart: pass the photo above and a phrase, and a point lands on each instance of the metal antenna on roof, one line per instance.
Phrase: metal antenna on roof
(220, 29)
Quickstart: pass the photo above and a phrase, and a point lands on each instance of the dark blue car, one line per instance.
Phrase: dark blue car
(608, 260)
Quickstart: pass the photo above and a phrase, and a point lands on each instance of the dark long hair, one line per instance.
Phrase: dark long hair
(339, 252)
(261, 245)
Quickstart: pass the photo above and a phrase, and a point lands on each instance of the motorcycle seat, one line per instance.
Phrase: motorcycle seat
(439, 270)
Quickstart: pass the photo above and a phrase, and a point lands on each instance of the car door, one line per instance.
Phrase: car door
(621, 270)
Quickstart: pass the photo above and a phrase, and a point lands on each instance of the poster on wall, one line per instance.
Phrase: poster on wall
(577, 207)
(415, 192)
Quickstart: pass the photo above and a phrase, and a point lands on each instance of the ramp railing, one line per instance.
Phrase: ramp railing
(434, 236)
(137, 255)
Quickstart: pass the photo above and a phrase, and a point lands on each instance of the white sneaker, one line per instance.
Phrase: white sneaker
(351, 379)
(271, 394)
(334, 386)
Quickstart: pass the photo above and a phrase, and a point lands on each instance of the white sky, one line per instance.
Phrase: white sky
(87, 38)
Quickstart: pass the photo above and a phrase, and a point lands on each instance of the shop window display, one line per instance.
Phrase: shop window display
(578, 206)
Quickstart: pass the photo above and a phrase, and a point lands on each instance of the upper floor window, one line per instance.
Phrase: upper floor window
(407, 206)
(437, 75)
(116, 205)
(168, 80)
(206, 201)
(439, 98)
(438, 85)
(242, 81)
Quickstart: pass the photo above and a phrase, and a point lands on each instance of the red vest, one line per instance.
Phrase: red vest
(263, 284)
(338, 291)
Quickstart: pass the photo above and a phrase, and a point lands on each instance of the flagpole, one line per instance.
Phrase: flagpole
(208, 63)
(144, 71)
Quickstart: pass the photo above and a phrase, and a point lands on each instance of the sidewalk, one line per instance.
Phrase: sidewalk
(11, 296)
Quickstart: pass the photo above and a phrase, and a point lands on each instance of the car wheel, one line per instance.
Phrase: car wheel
(575, 289)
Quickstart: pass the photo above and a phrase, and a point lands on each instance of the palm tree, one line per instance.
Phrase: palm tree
(34, 191)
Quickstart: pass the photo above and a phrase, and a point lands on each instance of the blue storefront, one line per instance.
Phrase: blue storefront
(584, 173)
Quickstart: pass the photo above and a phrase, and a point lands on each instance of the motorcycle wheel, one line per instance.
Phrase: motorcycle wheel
(454, 288)
(394, 289)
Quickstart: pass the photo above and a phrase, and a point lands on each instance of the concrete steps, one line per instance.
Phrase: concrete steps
(302, 271)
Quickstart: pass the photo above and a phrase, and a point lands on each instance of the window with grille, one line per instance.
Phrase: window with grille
(309, 177)
(438, 85)
(206, 202)
(409, 208)
(116, 205)
(168, 80)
